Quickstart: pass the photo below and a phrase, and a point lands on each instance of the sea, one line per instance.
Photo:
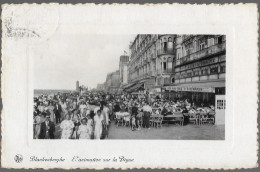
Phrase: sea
(38, 92)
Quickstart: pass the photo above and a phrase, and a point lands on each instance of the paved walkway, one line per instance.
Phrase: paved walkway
(172, 131)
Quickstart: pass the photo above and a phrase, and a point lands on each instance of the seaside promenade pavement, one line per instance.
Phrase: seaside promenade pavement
(167, 132)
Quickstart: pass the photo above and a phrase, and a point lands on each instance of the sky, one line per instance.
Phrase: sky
(66, 58)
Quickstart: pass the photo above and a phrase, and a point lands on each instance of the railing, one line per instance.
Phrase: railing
(167, 71)
(166, 51)
(205, 52)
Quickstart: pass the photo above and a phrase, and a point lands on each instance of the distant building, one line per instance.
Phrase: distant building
(77, 86)
(101, 87)
(124, 59)
(113, 82)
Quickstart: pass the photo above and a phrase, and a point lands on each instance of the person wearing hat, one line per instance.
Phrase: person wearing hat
(47, 128)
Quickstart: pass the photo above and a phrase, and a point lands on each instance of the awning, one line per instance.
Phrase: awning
(139, 86)
(128, 86)
(197, 87)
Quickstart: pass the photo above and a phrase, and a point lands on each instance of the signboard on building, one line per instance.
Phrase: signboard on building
(154, 90)
(191, 89)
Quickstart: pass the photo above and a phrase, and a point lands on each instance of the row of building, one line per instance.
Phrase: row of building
(173, 66)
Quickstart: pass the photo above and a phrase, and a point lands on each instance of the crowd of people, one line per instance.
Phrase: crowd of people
(88, 116)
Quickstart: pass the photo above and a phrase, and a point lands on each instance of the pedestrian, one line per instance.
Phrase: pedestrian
(84, 132)
(47, 128)
(67, 126)
(147, 112)
(57, 112)
(51, 111)
(98, 122)
(76, 120)
(134, 113)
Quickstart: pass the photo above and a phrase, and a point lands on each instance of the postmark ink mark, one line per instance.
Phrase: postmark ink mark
(18, 32)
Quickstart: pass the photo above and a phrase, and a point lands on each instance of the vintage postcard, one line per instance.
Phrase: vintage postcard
(129, 86)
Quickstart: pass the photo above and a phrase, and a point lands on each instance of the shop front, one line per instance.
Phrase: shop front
(201, 94)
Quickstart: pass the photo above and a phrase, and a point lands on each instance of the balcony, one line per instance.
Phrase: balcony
(204, 53)
(166, 51)
(167, 71)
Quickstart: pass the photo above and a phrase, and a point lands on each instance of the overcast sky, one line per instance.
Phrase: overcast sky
(64, 59)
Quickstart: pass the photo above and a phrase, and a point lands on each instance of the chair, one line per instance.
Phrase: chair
(178, 117)
(207, 118)
(151, 121)
(212, 116)
(119, 120)
(158, 121)
(127, 120)
(193, 118)
(140, 120)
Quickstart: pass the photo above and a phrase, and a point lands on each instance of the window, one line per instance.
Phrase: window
(169, 66)
(169, 39)
(210, 42)
(164, 66)
(220, 40)
(177, 75)
(196, 72)
(213, 69)
(194, 45)
(189, 73)
(202, 46)
(173, 80)
(221, 104)
(183, 75)
(223, 67)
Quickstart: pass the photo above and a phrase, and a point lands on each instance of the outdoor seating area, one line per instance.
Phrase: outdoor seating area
(199, 116)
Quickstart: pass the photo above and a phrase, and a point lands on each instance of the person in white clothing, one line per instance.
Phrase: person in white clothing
(98, 122)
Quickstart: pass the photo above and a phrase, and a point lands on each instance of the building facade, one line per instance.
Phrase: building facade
(172, 66)
(112, 84)
(151, 63)
(200, 67)
(123, 69)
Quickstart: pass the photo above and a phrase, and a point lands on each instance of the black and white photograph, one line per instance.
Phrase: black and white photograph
(129, 86)
(144, 86)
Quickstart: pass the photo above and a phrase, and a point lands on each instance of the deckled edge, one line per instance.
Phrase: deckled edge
(126, 4)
